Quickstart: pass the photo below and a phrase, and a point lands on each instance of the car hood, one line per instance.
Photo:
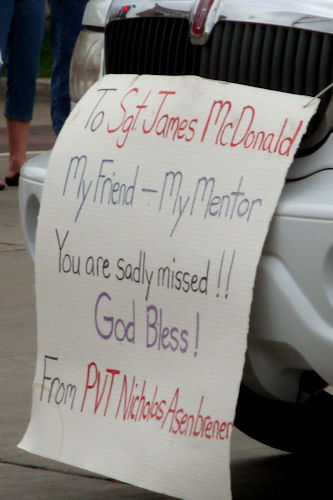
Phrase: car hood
(308, 14)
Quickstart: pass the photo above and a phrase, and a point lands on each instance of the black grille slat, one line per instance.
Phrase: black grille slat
(162, 46)
(245, 56)
(142, 41)
(224, 53)
(194, 52)
(300, 62)
(171, 45)
(289, 61)
(127, 45)
(211, 61)
(325, 67)
(122, 37)
(178, 53)
(116, 55)
(277, 58)
(145, 43)
(133, 32)
(235, 53)
(185, 55)
(266, 58)
(254, 70)
(313, 64)
(154, 46)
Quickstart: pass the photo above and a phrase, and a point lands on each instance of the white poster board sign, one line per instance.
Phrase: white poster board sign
(157, 201)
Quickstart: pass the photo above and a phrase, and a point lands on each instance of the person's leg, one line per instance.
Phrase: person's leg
(17, 133)
(66, 23)
(6, 14)
(23, 49)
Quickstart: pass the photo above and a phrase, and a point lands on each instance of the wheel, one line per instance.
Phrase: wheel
(292, 427)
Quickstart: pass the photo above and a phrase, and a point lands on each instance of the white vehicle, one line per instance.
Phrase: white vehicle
(284, 45)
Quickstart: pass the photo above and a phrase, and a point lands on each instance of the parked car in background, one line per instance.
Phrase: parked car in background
(279, 45)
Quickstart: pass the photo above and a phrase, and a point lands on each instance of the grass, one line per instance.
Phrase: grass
(45, 65)
(46, 59)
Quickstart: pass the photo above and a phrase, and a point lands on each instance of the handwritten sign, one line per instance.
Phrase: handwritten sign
(158, 198)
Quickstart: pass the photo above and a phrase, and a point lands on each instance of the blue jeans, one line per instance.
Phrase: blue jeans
(21, 36)
(66, 24)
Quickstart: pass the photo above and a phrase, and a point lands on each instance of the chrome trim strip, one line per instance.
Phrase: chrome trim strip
(313, 15)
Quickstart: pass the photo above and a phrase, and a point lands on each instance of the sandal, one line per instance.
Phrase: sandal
(13, 180)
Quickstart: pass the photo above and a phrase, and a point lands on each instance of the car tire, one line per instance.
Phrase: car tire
(293, 427)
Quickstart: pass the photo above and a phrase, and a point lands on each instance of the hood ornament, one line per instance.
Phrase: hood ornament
(199, 29)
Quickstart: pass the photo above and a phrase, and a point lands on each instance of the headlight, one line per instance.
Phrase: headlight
(87, 64)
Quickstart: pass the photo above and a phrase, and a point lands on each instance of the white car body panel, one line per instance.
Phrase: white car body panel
(96, 13)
